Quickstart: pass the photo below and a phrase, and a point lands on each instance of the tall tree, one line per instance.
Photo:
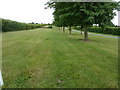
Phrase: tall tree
(83, 13)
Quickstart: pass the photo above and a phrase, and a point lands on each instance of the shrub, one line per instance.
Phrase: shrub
(106, 30)
(50, 26)
(9, 25)
(77, 27)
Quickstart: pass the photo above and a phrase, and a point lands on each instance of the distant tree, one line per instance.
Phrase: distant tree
(32, 23)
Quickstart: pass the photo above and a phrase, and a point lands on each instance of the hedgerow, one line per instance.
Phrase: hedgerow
(9, 25)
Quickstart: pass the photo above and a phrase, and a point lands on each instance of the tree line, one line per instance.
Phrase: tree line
(9, 25)
(83, 14)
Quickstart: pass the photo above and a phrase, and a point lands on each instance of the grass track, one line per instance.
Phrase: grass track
(46, 58)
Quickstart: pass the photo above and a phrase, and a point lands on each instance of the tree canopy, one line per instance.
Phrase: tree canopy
(83, 14)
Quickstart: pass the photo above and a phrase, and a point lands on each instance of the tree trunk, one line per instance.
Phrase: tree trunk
(70, 29)
(63, 29)
(81, 29)
(85, 33)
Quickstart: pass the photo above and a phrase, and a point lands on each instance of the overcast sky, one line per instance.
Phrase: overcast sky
(26, 11)
(29, 11)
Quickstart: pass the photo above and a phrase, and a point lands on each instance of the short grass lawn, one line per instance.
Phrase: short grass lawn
(49, 58)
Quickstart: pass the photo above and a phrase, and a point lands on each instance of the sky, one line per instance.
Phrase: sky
(26, 11)
(30, 11)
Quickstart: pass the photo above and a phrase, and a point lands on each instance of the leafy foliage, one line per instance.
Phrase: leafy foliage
(84, 14)
(106, 30)
(8, 25)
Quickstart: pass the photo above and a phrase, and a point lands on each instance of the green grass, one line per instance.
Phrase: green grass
(46, 58)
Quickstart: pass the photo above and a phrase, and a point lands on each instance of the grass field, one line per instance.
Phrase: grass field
(46, 58)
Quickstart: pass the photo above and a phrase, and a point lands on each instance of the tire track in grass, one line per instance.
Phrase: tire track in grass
(30, 66)
(103, 70)
(51, 59)
(85, 71)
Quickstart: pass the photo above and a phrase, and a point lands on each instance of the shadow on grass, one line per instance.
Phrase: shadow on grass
(75, 34)
(82, 40)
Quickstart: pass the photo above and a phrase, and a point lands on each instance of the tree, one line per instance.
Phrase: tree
(83, 13)
(95, 13)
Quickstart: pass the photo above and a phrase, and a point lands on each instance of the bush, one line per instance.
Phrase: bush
(50, 26)
(106, 30)
(77, 27)
(9, 25)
